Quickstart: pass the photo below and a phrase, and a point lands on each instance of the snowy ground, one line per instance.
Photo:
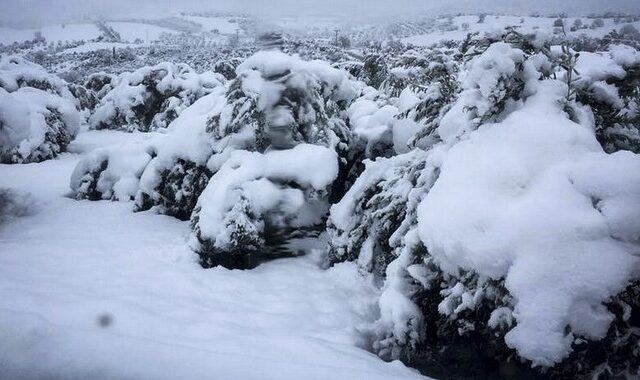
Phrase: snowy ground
(92, 290)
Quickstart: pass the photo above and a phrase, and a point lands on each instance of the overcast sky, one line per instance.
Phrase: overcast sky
(55, 11)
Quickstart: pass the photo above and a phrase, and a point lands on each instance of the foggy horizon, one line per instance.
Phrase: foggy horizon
(35, 13)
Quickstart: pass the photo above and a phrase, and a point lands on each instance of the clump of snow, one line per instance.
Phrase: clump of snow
(534, 199)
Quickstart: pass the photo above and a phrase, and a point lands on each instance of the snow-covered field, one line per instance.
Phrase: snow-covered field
(221, 24)
(90, 289)
(130, 31)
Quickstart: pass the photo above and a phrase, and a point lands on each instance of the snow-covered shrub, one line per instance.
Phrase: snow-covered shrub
(227, 67)
(176, 177)
(276, 103)
(100, 83)
(151, 97)
(370, 220)
(87, 99)
(253, 191)
(430, 92)
(279, 101)
(374, 71)
(167, 171)
(560, 228)
(38, 113)
(372, 117)
(111, 173)
(17, 72)
(491, 82)
(513, 233)
(35, 125)
(609, 84)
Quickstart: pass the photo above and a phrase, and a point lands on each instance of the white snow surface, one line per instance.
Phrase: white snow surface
(74, 264)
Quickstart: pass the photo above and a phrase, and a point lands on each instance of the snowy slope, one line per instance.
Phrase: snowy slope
(130, 31)
(222, 24)
(51, 33)
(90, 289)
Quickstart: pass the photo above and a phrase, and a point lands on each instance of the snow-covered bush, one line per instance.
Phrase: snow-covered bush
(17, 72)
(100, 83)
(276, 103)
(177, 175)
(254, 191)
(227, 67)
(432, 87)
(151, 97)
(110, 173)
(512, 231)
(279, 101)
(609, 84)
(372, 117)
(563, 239)
(38, 113)
(374, 70)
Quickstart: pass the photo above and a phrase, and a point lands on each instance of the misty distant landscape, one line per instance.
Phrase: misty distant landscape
(319, 190)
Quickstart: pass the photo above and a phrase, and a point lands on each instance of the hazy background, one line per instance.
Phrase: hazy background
(40, 12)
